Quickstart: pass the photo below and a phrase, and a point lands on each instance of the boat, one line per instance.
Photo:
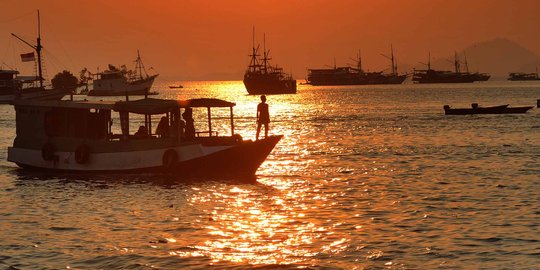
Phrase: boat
(355, 76)
(261, 78)
(520, 76)
(475, 109)
(430, 75)
(13, 86)
(175, 86)
(79, 136)
(121, 82)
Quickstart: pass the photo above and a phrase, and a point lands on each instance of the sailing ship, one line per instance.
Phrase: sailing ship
(79, 136)
(520, 76)
(116, 82)
(355, 76)
(13, 86)
(430, 75)
(261, 78)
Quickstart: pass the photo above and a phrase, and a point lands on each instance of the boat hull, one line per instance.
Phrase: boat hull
(119, 87)
(194, 160)
(34, 94)
(478, 110)
(356, 80)
(260, 85)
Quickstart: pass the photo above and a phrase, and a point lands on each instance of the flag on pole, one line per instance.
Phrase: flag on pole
(28, 57)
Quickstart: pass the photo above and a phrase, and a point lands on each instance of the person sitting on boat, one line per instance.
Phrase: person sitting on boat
(263, 117)
(162, 129)
(189, 131)
(141, 132)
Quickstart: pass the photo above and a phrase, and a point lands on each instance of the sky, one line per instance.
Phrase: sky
(211, 39)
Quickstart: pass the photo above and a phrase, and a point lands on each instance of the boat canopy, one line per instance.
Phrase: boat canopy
(159, 106)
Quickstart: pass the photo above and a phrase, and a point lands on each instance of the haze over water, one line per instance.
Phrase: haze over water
(370, 177)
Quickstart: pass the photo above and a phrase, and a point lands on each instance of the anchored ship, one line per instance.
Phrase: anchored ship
(262, 78)
(520, 76)
(355, 76)
(116, 82)
(430, 75)
(14, 87)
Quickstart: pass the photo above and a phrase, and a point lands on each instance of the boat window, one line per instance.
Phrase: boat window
(78, 123)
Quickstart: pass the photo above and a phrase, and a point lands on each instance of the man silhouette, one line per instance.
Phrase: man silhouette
(263, 117)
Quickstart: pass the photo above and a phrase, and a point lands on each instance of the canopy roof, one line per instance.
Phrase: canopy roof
(159, 106)
(141, 106)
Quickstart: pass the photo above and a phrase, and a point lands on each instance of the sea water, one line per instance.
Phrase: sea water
(372, 177)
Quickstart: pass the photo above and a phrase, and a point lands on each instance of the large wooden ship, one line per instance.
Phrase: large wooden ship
(430, 75)
(355, 76)
(261, 78)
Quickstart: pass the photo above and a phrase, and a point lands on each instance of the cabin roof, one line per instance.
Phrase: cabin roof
(6, 71)
(84, 104)
(141, 106)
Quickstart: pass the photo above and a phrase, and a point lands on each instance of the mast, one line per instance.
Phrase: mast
(37, 48)
(139, 66)
(253, 62)
(466, 63)
(359, 63)
(456, 63)
(394, 68)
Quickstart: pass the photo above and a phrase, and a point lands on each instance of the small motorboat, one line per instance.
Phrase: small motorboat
(175, 86)
(475, 109)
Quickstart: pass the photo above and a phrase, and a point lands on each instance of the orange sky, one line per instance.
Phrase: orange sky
(210, 39)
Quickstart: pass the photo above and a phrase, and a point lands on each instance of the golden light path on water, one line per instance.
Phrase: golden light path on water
(269, 225)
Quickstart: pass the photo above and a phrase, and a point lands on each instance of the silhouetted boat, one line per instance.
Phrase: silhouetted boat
(13, 87)
(440, 76)
(475, 109)
(175, 86)
(76, 136)
(354, 76)
(115, 82)
(262, 78)
(519, 76)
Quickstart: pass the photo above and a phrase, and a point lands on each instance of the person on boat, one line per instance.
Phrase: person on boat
(263, 117)
(189, 131)
(163, 127)
(141, 132)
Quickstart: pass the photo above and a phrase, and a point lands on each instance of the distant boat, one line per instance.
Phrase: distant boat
(441, 76)
(175, 86)
(116, 82)
(262, 78)
(475, 109)
(355, 76)
(519, 76)
(76, 136)
(15, 87)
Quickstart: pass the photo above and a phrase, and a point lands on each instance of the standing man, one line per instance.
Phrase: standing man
(263, 117)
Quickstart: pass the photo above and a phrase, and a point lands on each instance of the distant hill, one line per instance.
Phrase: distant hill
(497, 57)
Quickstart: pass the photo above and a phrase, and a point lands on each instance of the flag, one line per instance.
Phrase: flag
(28, 57)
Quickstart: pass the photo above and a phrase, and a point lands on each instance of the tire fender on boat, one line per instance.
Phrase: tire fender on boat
(82, 154)
(170, 158)
(47, 152)
(238, 138)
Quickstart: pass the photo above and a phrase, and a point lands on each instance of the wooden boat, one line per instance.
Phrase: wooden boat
(116, 82)
(475, 109)
(13, 86)
(79, 136)
(261, 78)
(175, 86)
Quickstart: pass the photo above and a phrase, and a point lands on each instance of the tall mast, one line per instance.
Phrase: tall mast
(264, 51)
(38, 50)
(466, 63)
(429, 61)
(392, 58)
(456, 63)
(360, 60)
